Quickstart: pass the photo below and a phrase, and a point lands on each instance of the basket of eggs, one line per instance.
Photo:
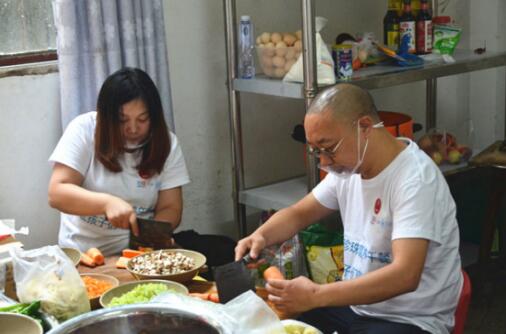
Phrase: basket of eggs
(277, 52)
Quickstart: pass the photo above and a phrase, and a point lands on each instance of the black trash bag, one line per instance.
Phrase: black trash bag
(218, 249)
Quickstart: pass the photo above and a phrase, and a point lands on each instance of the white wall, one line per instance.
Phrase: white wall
(29, 130)
(29, 107)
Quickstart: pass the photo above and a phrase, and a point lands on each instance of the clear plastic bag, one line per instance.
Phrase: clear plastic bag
(47, 274)
(231, 317)
(324, 62)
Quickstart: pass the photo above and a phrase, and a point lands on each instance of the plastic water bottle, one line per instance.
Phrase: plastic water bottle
(246, 46)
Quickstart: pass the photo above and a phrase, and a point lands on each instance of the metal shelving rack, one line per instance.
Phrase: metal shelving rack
(287, 192)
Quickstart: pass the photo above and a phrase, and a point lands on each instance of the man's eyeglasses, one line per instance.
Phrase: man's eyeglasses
(328, 153)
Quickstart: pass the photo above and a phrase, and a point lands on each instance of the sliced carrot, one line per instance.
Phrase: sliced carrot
(214, 297)
(87, 261)
(95, 287)
(96, 255)
(145, 249)
(122, 262)
(273, 272)
(203, 296)
(130, 253)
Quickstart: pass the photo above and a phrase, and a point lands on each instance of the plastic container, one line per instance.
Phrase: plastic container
(246, 45)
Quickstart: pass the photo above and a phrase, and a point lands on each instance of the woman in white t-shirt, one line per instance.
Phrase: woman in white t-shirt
(116, 164)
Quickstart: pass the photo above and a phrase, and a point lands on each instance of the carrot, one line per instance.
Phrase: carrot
(87, 261)
(95, 287)
(203, 296)
(273, 272)
(122, 262)
(96, 255)
(145, 249)
(214, 297)
(130, 253)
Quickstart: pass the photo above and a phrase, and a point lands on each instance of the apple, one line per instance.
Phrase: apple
(454, 156)
(437, 157)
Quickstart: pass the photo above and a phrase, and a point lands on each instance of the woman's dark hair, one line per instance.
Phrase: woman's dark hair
(121, 87)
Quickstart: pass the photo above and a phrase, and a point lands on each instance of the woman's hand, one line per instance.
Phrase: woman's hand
(121, 214)
(293, 296)
(254, 243)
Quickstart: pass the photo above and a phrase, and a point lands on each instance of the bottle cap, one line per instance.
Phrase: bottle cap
(441, 20)
(245, 18)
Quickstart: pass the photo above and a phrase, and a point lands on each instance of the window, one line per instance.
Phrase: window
(27, 31)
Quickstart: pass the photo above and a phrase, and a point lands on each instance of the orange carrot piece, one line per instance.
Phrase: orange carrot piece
(214, 297)
(95, 287)
(87, 261)
(273, 272)
(122, 262)
(96, 255)
(145, 249)
(130, 253)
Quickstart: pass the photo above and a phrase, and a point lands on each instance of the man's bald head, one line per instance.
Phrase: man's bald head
(346, 102)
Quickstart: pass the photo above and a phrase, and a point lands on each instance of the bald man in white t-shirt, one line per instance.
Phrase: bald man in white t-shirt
(402, 269)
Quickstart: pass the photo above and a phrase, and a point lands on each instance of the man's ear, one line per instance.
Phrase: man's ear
(366, 124)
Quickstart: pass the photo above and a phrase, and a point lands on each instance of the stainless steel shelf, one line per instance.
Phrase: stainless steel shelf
(283, 194)
(380, 76)
(275, 196)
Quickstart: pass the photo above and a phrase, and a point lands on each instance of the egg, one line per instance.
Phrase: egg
(276, 37)
(290, 53)
(298, 34)
(362, 55)
(298, 46)
(269, 71)
(278, 61)
(289, 64)
(289, 39)
(265, 37)
(269, 49)
(266, 60)
(279, 72)
(281, 49)
(259, 40)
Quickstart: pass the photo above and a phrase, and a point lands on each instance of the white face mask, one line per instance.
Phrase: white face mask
(131, 147)
(346, 173)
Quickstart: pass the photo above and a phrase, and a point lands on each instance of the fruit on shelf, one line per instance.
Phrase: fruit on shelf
(444, 148)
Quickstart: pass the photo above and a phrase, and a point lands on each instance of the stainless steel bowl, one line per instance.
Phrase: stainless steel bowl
(141, 319)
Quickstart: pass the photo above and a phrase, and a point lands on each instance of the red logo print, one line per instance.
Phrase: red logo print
(377, 206)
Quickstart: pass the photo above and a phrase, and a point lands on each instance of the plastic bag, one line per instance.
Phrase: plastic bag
(48, 275)
(324, 63)
(288, 257)
(324, 253)
(232, 317)
(446, 39)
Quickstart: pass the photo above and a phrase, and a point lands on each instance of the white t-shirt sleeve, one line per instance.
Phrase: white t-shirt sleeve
(175, 173)
(414, 214)
(75, 148)
(326, 192)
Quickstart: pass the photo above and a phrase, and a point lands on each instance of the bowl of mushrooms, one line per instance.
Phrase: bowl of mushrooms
(178, 265)
(278, 52)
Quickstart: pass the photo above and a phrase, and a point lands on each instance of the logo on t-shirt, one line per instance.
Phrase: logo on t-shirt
(377, 206)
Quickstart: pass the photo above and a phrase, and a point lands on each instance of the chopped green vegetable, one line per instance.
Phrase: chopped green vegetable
(29, 309)
(140, 294)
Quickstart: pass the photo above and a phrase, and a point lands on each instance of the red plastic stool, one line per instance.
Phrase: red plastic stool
(463, 305)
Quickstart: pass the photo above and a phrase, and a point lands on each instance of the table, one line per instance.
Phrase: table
(199, 286)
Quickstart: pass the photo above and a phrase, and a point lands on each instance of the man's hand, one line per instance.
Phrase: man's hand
(121, 214)
(293, 296)
(254, 243)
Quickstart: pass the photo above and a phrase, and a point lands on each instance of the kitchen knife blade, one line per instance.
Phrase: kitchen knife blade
(233, 279)
(152, 233)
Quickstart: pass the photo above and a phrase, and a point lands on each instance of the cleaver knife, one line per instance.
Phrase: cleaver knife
(233, 279)
(152, 233)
